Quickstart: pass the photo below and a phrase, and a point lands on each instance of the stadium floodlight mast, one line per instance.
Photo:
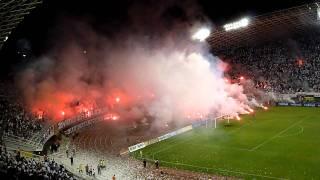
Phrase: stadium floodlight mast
(244, 22)
(202, 34)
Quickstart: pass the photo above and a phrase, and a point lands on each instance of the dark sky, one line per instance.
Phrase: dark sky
(37, 26)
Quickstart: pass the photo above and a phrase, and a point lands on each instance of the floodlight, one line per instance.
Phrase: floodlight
(201, 34)
(244, 22)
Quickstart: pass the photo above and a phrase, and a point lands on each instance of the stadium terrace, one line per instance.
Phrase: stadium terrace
(159, 90)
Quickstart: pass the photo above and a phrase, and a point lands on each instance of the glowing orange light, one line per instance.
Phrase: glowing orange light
(265, 108)
(117, 99)
(241, 78)
(238, 118)
(114, 117)
(63, 113)
(300, 62)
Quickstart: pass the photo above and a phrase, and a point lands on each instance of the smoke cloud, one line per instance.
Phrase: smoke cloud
(149, 68)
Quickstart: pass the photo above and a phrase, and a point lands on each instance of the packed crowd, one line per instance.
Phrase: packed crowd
(14, 166)
(284, 66)
(15, 120)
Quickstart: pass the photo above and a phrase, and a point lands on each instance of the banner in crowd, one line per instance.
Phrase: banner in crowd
(81, 117)
(158, 139)
(27, 154)
(84, 124)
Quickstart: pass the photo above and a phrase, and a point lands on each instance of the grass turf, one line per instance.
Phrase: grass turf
(281, 143)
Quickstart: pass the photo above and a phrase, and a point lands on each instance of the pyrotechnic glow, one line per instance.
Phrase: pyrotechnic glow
(165, 78)
(62, 113)
(201, 34)
(241, 78)
(238, 118)
(115, 117)
(265, 107)
(111, 116)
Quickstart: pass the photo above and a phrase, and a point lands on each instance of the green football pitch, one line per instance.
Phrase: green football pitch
(281, 143)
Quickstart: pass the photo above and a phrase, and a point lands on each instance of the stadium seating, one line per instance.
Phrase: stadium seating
(284, 66)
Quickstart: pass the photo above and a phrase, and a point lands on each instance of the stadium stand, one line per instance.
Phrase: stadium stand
(15, 166)
(288, 65)
(285, 66)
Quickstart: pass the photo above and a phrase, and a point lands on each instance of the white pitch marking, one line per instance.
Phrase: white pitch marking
(294, 134)
(275, 136)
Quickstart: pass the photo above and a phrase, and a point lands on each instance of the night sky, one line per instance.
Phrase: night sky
(34, 33)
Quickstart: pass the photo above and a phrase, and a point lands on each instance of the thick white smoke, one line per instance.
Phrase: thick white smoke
(184, 82)
(171, 76)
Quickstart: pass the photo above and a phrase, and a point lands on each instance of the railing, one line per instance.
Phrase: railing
(37, 141)
(81, 117)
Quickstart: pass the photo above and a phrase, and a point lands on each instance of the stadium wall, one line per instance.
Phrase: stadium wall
(299, 104)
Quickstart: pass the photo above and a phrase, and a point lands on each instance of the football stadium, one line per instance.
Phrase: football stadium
(159, 90)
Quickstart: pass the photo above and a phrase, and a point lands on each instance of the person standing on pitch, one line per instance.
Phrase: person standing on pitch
(71, 159)
(144, 163)
(87, 169)
(157, 164)
(73, 151)
(67, 152)
(99, 169)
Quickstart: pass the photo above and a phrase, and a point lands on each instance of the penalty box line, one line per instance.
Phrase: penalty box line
(224, 170)
(275, 136)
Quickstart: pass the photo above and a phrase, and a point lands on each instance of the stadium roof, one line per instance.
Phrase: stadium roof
(12, 12)
(269, 26)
